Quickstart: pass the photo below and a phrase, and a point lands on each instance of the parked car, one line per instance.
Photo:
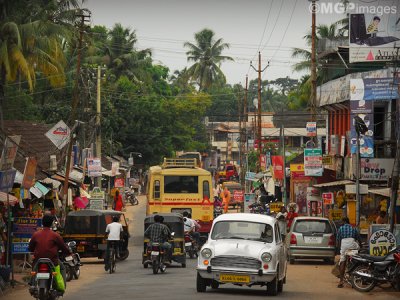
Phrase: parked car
(312, 237)
(245, 250)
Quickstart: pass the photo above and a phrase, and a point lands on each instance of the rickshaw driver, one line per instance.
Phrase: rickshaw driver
(113, 230)
(159, 233)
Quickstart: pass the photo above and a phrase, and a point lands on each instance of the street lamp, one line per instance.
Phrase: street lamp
(361, 129)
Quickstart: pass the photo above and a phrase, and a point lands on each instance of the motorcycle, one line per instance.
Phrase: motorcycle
(156, 253)
(72, 263)
(190, 246)
(131, 198)
(43, 282)
(217, 211)
(376, 270)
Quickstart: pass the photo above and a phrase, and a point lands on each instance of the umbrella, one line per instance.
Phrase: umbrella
(81, 202)
(13, 200)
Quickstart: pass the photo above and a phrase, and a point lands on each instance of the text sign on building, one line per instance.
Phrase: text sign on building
(313, 162)
(311, 128)
(363, 109)
(23, 229)
(9, 152)
(381, 242)
(370, 89)
(94, 167)
(376, 168)
(59, 134)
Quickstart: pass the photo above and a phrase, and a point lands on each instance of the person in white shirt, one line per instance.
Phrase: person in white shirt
(113, 230)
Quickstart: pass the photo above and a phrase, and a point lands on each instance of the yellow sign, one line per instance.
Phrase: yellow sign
(276, 206)
(327, 160)
(335, 214)
(297, 167)
(234, 278)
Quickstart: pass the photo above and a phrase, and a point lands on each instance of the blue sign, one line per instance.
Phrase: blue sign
(250, 176)
(23, 229)
(7, 180)
(370, 89)
(20, 248)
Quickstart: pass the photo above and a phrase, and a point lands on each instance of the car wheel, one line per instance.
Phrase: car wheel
(214, 284)
(201, 285)
(272, 287)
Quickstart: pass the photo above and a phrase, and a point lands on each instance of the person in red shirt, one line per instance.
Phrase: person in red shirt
(290, 216)
(118, 203)
(46, 244)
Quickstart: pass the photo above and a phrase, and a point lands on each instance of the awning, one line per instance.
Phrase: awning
(62, 179)
(13, 200)
(383, 192)
(109, 173)
(55, 183)
(333, 183)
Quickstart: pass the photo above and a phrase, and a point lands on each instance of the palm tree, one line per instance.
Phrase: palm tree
(207, 58)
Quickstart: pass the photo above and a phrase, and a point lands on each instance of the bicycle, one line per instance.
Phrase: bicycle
(113, 256)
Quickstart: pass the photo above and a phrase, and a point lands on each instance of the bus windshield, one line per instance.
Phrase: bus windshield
(181, 184)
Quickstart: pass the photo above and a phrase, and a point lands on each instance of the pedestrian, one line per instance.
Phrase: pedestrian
(118, 203)
(291, 215)
(226, 198)
(348, 237)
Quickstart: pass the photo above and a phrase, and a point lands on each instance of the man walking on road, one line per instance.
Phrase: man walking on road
(348, 237)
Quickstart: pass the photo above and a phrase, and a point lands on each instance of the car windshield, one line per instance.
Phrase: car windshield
(243, 230)
(312, 226)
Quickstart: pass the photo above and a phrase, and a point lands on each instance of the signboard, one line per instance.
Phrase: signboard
(311, 128)
(373, 35)
(7, 180)
(369, 89)
(39, 190)
(277, 164)
(381, 242)
(238, 195)
(327, 198)
(9, 152)
(119, 182)
(59, 134)
(327, 160)
(29, 173)
(97, 204)
(263, 162)
(376, 168)
(249, 199)
(275, 206)
(94, 167)
(114, 168)
(314, 208)
(250, 176)
(313, 162)
(97, 193)
(335, 214)
(23, 229)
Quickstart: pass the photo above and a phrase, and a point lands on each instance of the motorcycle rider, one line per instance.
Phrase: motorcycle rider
(348, 237)
(113, 230)
(159, 233)
(195, 232)
(45, 244)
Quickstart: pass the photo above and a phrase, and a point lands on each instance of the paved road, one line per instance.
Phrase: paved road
(306, 280)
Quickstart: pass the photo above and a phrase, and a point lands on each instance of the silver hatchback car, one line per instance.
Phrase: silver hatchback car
(312, 237)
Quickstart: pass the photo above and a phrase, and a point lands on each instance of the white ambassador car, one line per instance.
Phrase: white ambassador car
(245, 250)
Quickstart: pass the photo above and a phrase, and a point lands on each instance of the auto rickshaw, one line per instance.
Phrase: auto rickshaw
(88, 228)
(174, 221)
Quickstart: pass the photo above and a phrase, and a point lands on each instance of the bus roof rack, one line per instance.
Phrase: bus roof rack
(179, 163)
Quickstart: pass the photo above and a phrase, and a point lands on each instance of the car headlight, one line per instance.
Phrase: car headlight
(266, 257)
(206, 253)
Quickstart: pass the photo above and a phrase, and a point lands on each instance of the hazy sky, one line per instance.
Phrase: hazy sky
(273, 27)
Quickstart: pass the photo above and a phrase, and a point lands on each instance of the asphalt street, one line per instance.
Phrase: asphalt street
(305, 280)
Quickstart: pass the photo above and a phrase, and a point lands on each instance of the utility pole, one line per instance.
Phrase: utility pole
(396, 167)
(74, 105)
(259, 133)
(98, 124)
(282, 134)
(313, 69)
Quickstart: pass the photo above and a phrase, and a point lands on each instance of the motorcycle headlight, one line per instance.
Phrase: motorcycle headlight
(206, 253)
(266, 257)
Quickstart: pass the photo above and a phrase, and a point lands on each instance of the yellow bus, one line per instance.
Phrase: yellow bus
(178, 185)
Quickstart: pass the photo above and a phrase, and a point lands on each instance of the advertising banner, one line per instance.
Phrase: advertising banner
(363, 109)
(263, 162)
(370, 89)
(238, 195)
(59, 134)
(327, 198)
(311, 128)
(29, 173)
(373, 33)
(94, 167)
(313, 162)
(9, 152)
(23, 229)
(7, 180)
(376, 168)
(119, 182)
(277, 164)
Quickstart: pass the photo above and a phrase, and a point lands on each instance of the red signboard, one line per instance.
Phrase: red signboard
(277, 163)
(119, 182)
(238, 195)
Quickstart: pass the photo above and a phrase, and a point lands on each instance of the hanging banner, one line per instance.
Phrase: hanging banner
(327, 198)
(370, 89)
(376, 168)
(23, 229)
(9, 152)
(119, 183)
(311, 128)
(94, 167)
(363, 109)
(373, 34)
(29, 173)
(59, 134)
(277, 164)
(7, 180)
(313, 162)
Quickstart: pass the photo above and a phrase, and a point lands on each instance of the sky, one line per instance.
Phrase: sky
(272, 27)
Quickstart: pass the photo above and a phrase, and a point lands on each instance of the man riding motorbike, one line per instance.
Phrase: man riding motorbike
(192, 229)
(45, 244)
(160, 233)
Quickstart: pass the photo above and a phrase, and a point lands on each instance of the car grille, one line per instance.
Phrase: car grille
(236, 262)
